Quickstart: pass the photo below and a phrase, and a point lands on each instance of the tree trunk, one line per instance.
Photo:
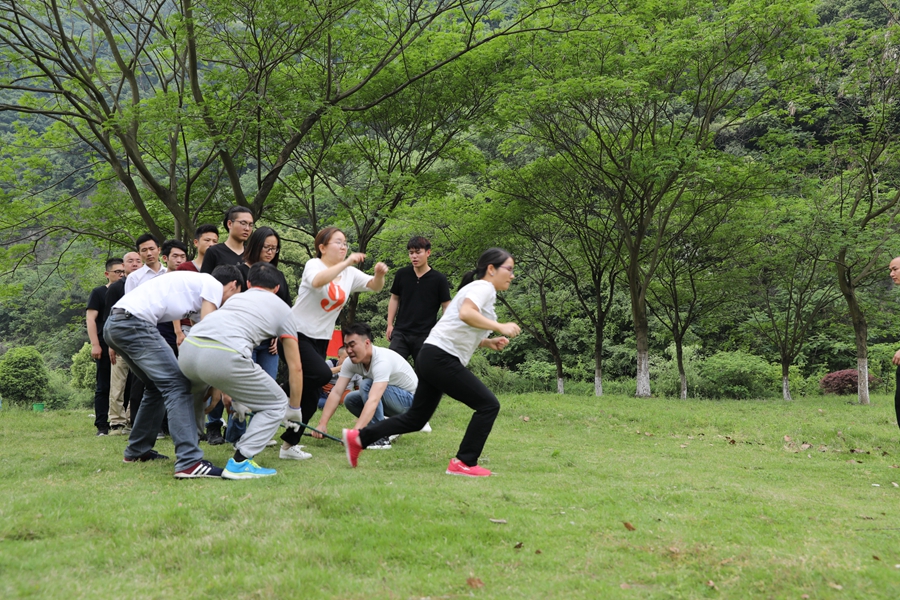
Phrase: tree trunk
(642, 334)
(557, 358)
(860, 326)
(679, 358)
(785, 382)
(862, 367)
(598, 357)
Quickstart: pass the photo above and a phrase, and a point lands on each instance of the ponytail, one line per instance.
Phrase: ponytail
(491, 256)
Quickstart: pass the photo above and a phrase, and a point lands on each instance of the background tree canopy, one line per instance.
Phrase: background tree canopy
(677, 181)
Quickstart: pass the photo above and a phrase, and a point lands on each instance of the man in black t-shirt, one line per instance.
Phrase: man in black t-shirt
(95, 318)
(119, 387)
(238, 222)
(416, 294)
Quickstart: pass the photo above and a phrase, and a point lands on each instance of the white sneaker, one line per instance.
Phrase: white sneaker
(427, 428)
(391, 438)
(382, 444)
(294, 453)
(271, 443)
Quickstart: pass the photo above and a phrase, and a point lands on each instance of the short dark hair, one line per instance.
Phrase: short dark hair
(491, 256)
(207, 228)
(225, 274)
(254, 246)
(231, 213)
(147, 237)
(417, 242)
(263, 274)
(169, 244)
(360, 329)
(113, 262)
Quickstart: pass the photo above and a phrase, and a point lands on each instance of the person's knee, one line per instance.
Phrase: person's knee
(354, 402)
(490, 406)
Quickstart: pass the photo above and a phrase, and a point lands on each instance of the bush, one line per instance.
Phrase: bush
(83, 369)
(23, 376)
(845, 383)
(665, 380)
(736, 375)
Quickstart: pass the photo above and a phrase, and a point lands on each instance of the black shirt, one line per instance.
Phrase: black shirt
(283, 291)
(420, 299)
(97, 301)
(114, 293)
(220, 254)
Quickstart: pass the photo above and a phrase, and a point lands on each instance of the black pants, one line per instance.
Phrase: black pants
(897, 397)
(316, 373)
(441, 373)
(101, 391)
(407, 345)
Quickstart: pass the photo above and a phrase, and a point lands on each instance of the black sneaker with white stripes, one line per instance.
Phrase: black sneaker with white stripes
(204, 468)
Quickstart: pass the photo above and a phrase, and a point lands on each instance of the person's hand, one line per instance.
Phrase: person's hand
(112, 356)
(293, 414)
(381, 269)
(896, 359)
(497, 343)
(509, 329)
(323, 427)
(273, 346)
(96, 351)
(240, 411)
(290, 425)
(227, 401)
(179, 337)
(356, 258)
(390, 332)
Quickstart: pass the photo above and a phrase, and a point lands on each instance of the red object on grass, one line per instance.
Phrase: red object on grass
(337, 340)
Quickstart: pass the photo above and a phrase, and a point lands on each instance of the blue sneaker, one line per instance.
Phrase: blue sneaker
(247, 469)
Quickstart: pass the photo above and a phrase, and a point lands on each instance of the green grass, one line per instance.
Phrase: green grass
(721, 504)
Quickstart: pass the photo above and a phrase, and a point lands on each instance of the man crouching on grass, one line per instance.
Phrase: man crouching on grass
(131, 332)
(895, 277)
(219, 352)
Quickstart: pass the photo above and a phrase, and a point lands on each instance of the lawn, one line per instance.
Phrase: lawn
(593, 498)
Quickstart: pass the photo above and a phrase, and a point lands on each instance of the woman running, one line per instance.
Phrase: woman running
(327, 282)
(441, 366)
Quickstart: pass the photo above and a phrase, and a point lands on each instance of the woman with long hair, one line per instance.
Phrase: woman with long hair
(441, 366)
(326, 284)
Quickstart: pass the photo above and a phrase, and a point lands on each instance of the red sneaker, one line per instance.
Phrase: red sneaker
(352, 445)
(457, 467)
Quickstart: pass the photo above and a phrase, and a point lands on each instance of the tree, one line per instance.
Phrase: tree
(635, 107)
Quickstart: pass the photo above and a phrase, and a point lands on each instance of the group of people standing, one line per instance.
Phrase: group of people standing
(196, 343)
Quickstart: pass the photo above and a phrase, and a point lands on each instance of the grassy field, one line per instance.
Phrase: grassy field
(592, 498)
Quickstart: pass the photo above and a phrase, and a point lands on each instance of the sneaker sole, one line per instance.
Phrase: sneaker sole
(184, 476)
(229, 475)
(292, 457)
(379, 447)
(449, 472)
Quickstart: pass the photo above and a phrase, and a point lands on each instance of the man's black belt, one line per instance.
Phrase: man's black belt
(120, 311)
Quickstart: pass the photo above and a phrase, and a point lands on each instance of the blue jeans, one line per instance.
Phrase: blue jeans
(394, 401)
(152, 361)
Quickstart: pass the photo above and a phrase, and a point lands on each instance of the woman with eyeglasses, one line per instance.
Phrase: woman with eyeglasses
(326, 284)
(441, 366)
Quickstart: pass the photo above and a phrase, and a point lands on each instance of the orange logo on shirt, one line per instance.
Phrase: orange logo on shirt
(336, 298)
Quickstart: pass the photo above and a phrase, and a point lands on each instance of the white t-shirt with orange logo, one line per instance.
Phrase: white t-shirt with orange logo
(316, 309)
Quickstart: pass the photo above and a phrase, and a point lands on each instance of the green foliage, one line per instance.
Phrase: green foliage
(736, 375)
(83, 369)
(23, 376)
(62, 395)
(664, 371)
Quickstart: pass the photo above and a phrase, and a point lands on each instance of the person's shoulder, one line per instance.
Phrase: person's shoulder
(100, 289)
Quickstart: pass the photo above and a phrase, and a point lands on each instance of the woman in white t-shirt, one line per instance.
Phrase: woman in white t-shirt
(441, 366)
(326, 284)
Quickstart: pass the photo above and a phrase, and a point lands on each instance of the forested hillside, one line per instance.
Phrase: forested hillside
(701, 197)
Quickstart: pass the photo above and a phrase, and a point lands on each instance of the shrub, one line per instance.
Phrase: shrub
(665, 380)
(737, 375)
(23, 376)
(844, 383)
(83, 369)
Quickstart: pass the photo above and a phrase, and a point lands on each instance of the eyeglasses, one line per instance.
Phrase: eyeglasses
(270, 248)
(341, 244)
(118, 271)
(507, 267)
(244, 224)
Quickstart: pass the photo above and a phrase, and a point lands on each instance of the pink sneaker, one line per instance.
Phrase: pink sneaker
(457, 467)
(352, 445)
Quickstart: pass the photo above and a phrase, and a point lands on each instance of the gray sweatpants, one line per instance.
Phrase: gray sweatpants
(207, 362)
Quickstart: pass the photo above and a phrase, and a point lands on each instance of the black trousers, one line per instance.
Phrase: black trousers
(897, 397)
(101, 391)
(316, 373)
(407, 345)
(441, 373)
